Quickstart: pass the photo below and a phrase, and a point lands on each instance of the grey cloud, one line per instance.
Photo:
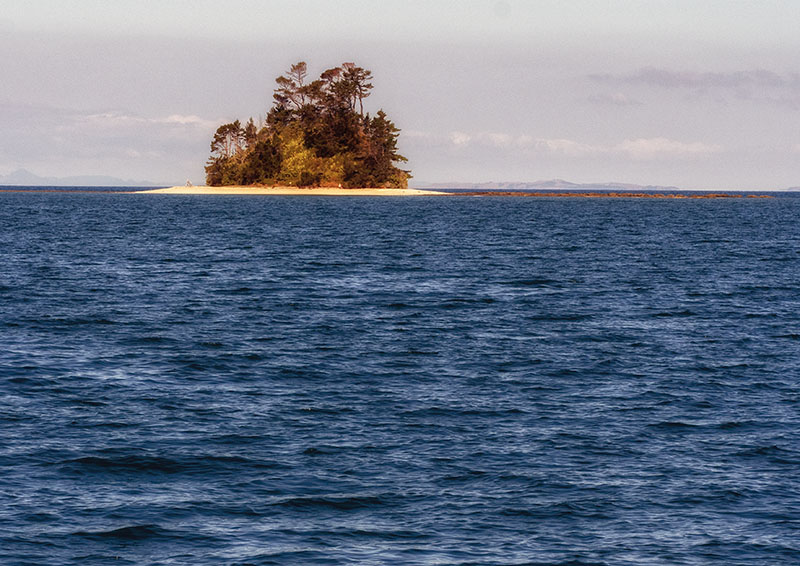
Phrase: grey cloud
(614, 99)
(760, 85)
(687, 79)
(524, 144)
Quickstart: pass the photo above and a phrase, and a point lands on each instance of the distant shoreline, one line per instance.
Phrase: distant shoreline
(606, 195)
(335, 191)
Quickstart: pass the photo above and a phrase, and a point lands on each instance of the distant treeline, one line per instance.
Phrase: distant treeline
(316, 133)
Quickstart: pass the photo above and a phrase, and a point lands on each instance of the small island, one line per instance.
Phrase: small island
(316, 134)
(316, 139)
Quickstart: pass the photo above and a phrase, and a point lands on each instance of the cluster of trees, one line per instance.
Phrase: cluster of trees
(316, 133)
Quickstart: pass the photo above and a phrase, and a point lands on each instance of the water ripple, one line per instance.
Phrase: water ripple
(414, 381)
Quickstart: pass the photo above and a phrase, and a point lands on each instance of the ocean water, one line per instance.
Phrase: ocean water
(194, 380)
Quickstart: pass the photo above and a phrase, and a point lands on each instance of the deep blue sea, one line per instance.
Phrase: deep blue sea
(195, 380)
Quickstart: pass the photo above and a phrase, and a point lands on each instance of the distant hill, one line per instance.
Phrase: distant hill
(24, 178)
(550, 184)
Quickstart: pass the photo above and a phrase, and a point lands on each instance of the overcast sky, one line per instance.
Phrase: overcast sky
(698, 94)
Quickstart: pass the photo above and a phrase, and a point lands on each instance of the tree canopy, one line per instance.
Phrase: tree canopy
(315, 133)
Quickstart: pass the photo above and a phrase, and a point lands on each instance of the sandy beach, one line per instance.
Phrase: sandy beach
(321, 191)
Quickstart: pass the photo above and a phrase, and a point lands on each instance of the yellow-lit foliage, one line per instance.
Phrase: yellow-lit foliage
(298, 158)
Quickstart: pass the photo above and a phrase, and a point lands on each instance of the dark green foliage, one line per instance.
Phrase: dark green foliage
(279, 117)
(262, 164)
(250, 133)
(316, 133)
(214, 172)
(309, 179)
